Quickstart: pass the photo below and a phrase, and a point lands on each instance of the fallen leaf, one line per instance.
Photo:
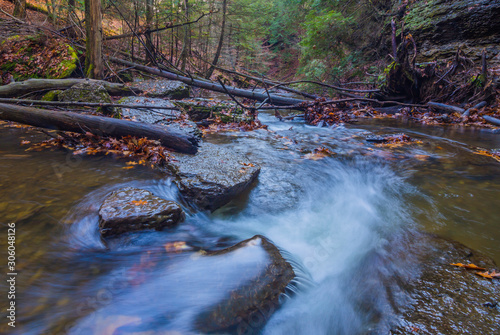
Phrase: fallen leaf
(139, 202)
(484, 274)
(128, 167)
(25, 142)
(469, 266)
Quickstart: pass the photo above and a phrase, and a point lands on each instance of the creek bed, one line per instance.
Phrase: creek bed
(340, 221)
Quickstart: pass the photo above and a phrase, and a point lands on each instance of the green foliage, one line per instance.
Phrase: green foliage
(325, 33)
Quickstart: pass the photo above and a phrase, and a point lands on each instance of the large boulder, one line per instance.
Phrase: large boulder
(88, 91)
(164, 88)
(214, 176)
(231, 291)
(256, 299)
(132, 209)
(449, 299)
(441, 26)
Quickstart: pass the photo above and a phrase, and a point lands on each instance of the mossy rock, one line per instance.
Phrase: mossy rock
(201, 109)
(52, 95)
(88, 91)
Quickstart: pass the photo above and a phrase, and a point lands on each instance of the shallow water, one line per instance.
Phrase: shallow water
(341, 221)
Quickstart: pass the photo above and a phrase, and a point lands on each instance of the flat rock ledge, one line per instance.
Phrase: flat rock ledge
(448, 299)
(171, 119)
(163, 88)
(132, 209)
(214, 176)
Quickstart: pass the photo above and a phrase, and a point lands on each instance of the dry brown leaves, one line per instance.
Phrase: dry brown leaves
(143, 151)
(34, 56)
(319, 153)
(327, 115)
(398, 140)
(493, 154)
(216, 125)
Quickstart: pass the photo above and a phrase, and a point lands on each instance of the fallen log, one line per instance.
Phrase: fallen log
(97, 125)
(82, 104)
(492, 120)
(445, 108)
(34, 85)
(478, 106)
(209, 85)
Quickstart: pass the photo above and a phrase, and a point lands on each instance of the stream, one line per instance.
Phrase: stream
(343, 222)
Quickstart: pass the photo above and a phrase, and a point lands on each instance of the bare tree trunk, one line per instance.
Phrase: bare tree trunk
(20, 9)
(221, 41)
(71, 6)
(149, 24)
(93, 21)
(186, 45)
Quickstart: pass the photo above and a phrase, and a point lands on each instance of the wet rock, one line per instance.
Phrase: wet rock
(256, 299)
(149, 115)
(172, 119)
(449, 299)
(88, 91)
(232, 291)
(441, 26)
(213, 176)
(201, 109)
(131, 209)
(164, 89)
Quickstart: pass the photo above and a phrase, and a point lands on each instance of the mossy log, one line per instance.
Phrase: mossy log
(98, 125)
(34, 85)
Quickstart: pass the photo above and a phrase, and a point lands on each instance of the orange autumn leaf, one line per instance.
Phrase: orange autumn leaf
(139, 202)
(495, 274)
(484, 274)
(494, 155)
(127, 167)
(25, 142)
(469, 266)
(176, 246)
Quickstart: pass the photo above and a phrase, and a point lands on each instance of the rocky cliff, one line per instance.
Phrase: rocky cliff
(441, 26)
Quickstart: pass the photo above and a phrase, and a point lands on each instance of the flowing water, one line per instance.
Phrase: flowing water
(344, 222)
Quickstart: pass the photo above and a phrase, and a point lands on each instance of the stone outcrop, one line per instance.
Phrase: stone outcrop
(164, 89)
(214, 176)
(448, 299)
(441, 26)
(132, 209)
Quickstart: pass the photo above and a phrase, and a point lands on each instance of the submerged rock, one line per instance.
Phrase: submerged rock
(232, 291)
(449, 299)
(164, 89)
(213, 176)
(87, 91)
(131, 209)
(248, 307)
